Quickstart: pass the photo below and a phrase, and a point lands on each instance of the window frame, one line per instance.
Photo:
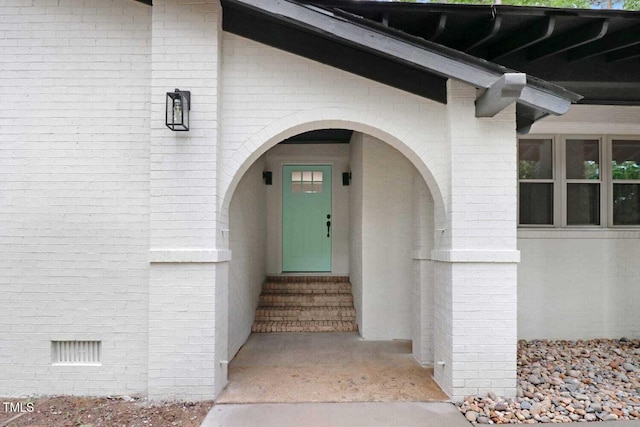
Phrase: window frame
(552, 180)
(610, 139)
(564, 181)
(560, 180)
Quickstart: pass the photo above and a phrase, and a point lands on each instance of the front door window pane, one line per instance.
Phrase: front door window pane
(536, 203)
(583, 204)
(306, 181)
(583, 159)
(535, 159)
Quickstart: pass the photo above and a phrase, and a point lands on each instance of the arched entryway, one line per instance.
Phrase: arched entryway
(382, 232)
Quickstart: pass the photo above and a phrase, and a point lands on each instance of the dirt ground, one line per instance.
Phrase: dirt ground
(99, 412)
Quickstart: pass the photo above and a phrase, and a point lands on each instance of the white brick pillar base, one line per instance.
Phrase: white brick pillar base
(187, 337)
(475, 273)
(476, 332)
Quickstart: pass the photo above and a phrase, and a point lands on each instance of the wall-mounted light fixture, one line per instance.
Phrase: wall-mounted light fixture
(346, 178)
(267, 176)
(178, 106)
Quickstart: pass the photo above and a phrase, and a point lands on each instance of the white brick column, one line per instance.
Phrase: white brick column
(188, 275)
(476, 257)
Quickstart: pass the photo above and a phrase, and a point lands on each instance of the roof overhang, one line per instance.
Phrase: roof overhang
(374, 51)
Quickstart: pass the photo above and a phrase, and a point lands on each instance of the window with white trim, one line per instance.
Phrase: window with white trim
(569, 181)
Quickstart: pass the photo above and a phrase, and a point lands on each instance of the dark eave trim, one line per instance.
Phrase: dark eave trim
(423, 55)
(266, 29)
(147, 2)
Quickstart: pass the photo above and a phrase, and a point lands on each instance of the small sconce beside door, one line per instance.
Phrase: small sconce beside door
(178, 106)
(268, 177)
(346, 178)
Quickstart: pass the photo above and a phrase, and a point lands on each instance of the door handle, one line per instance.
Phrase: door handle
(328, 228)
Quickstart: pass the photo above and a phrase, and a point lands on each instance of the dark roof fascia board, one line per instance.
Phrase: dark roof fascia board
(428, 56)
(147, 2)
(473, 9)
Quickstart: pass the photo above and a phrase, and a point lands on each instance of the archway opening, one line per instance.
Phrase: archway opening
(382, 225)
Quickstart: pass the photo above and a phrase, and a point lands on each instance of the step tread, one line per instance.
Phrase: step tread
(306, 300)
(307, 288)
(304, 326)
(306, 279)
(305, 308)
(298, 313)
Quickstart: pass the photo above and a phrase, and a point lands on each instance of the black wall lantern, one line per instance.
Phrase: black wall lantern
(178, 106)
(346, 178)
(268, 177)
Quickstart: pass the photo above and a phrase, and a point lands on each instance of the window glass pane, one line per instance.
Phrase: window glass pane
(316, 187)
(317, 176)
(306, 176)
(583, 204)
(626, 204)
(535, 159)
(583, 159)
(536, 203)
(296, 176)
(625, 159)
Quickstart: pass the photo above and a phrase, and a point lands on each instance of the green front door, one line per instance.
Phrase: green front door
(306, 218)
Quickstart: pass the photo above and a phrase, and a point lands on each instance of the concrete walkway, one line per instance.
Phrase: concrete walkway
(378, 414)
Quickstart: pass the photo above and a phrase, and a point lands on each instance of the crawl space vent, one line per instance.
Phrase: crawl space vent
(76, 352)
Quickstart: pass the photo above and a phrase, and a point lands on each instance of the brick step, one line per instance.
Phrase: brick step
(304, 326)
(305, 313)
(306, 300)
(306, 288)
(306, 279)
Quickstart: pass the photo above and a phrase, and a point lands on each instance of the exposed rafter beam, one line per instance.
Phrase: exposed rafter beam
(505, 91)
(584, 34)
(621, 39)
(524, 38)
(439, 28)
(485, 32)
(385, 19)
(624, 54)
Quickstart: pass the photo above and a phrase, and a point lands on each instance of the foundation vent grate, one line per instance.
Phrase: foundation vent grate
(76, 352)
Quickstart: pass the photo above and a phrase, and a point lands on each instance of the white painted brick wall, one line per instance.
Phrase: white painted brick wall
(422, 298)
(248, 219)
(182, 323)
(579, 284)
(185, 55)
(387, 242)
(259, 112)
(476, 294)
(188, 315)
(355, 223)
(74, 188)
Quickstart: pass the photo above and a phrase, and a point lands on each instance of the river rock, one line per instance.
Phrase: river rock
(471, 416)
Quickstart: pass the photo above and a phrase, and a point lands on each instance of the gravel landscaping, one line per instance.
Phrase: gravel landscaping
(564, 381)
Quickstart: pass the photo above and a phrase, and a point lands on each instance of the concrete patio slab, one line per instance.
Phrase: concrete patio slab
(327, 367)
